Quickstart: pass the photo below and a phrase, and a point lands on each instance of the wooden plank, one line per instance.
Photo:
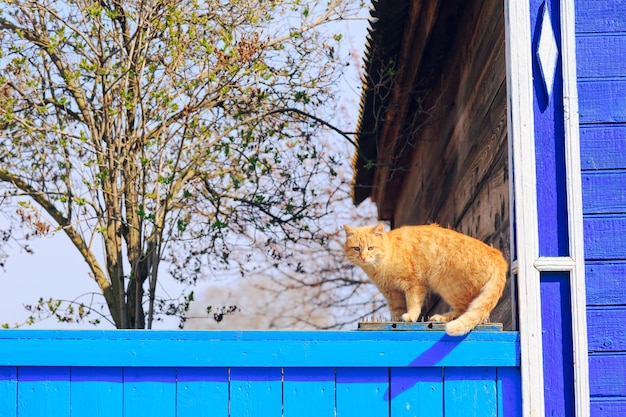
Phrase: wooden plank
(608, 407)
(601, 16)
(602, 101)
(509, 385)
(605, 283)
(43, 391)
(470, 392)
(557, 342)
(202, 392)
(271, 349)
(596, 56)
(604, 334)
(149, 391)
(309, 392)
(416, 392)
(607, 374)
(604, 192)
(362, 392)
(603, 147)
(8, 391)
(255, 392)
(96, 391)
(604, 237)
(423, 326)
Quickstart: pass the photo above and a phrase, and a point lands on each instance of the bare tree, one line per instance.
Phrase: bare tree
(172, 131)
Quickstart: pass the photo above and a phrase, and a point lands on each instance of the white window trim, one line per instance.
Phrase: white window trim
(575, 210)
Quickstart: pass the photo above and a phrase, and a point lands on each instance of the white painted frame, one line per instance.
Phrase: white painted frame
(575, 210)
(522, 167)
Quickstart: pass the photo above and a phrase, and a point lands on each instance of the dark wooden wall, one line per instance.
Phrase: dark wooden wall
(601, 71)
(458, 175)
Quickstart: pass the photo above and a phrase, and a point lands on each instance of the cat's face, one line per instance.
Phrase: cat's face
(365, 245)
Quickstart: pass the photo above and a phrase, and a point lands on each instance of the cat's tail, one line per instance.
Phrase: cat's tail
(480, 308)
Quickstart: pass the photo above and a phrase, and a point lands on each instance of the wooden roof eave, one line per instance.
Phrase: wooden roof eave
(379, 138)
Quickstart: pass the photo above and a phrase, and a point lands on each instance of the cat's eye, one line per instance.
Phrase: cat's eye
(357, 249)
(370, 248)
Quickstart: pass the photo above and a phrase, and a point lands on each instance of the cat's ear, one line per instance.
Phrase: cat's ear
(379, 230)
(349, 230)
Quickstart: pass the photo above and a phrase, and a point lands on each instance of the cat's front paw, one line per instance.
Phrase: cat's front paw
(457, 328)
(408, 317)
(438, 318)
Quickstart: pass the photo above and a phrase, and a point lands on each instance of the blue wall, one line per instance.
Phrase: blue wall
(601, 70)
(256, 373)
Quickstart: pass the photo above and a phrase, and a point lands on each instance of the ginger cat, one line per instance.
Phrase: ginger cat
(406, 262)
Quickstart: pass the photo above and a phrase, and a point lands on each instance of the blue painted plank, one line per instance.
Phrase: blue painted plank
(603, 147)
(600, 16)
(602, 101)
(416, 392)
(362, 392)
(8, 391)
(605, 237)
(604, 192)
(202, 392)
(607, 374)
(255, 392)
(610, 407)
(603, 333)
(549, 130)
(309, 392)
(595, 56)
(605, 283)
(470, 392)
(557, 342)
(43, 391)
(150, 392)
(96, 391)
(272, 349)
(509, 387)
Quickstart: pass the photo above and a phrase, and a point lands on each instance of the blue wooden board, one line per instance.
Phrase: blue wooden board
(549, 130)
(600, 16)
(255, 392)
(602, 101)
(149, 391)
(604, 237)
(309, 392)
(362, 392)
(8, 391)
(605, 283)
(595, 56)
(96, 391)
(272, 349)
(608, 407)
(604, 192)
(606, 332)
(607, 374)
(603, 147)
(43, 391)
(202, 392)
(470, 392)
(416, 392)
(557, 344)
(509, 392)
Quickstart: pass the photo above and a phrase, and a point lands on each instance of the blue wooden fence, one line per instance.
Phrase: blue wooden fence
(258, 373)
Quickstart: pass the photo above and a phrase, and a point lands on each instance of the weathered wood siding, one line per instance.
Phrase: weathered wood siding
(601, 71)
(256, 373)
(458, 173)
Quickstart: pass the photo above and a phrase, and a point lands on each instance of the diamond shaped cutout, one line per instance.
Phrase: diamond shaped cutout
(547, 52)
